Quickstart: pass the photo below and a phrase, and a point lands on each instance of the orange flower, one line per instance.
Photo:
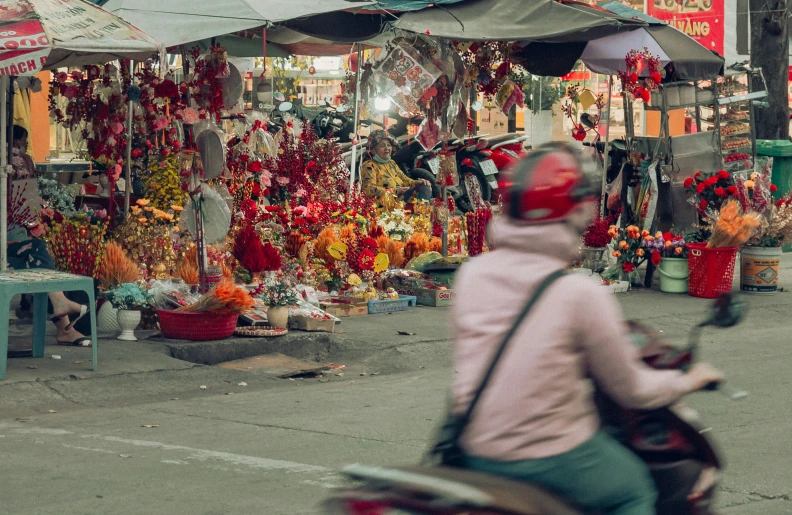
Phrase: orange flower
(649, 238)
(639, 252)
(177, 208)
(658, 235)
(148, 209)
(143, 202)
(176, 229)
(749, 184)
(645, 234)
(616, 254)
(668, 244)
(142, 220)
(678, 251)
(624, 245)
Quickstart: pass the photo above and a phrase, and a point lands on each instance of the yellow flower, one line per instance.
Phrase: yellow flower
(639, 252)
(142, 202)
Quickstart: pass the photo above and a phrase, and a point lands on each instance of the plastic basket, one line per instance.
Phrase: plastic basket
(184, 325)
(711, 270)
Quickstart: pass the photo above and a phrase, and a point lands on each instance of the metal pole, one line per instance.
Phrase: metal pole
(3, 174)
(128, 185)
(607, 143)
(358, 96)
(445, 224)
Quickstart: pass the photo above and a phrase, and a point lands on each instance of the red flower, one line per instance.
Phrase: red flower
(697, 175)
(656, 77)
(628, 267)
(633, 77)
(305, 231)
(703, 204)
(656, 258)
(700, 187)
(579, 133)
(370, 243)
(773, 188)
(254, 166)
(366, 260)
(732, 189)
(712, 181)
(688, 182)
(668, 236)
(249, 208)
(255, 190)
(272, 209)
(721, 192)
(723, 174)
(167, 89)
(646, 96)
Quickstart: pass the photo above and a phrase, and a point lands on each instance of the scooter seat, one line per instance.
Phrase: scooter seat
(466, 488)
(494, 140)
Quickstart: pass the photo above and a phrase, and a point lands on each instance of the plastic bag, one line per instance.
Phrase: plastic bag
(447, 173)
(614, 192)
(171, 295)
(422, 261)
(429, 134)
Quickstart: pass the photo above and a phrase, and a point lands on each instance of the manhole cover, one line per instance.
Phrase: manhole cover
(768, 275)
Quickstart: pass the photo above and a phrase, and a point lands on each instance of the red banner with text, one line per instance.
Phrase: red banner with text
(700, 19)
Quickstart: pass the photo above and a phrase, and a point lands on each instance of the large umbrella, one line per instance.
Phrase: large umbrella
(177, 22)
(691, 60)
(47, 34)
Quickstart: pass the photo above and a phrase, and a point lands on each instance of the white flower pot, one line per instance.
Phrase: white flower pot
(128, 321)
(278, 317)
(107, 318)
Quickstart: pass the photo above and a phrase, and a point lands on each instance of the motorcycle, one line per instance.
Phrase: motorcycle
(676, 447)
(475, 169)
(504, 151)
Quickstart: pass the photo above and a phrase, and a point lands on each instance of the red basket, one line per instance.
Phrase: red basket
(185, 325)
(711, 270)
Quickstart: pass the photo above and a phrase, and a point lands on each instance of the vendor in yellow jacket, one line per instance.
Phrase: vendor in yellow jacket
(379, 173)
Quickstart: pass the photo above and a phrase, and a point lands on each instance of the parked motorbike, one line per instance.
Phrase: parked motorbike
(683, 461)
(504, 150)
(473, 164)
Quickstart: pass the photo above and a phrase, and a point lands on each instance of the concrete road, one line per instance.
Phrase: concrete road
(155, 442)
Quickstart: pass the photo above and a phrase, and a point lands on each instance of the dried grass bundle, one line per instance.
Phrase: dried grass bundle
(326, 238)
(435, 245)
(187, 271)
(117, 268)
(733, 228)
(225, 297)
(393, 249)
(416, 246)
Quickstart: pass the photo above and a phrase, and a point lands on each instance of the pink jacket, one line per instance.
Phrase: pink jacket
(539, 402)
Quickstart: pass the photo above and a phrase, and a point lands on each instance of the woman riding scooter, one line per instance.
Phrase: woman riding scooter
(537, 420)
(380, 173)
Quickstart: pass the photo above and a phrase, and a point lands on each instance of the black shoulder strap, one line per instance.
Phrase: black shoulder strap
(502, 348)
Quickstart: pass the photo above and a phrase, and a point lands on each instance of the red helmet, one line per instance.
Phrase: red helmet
(547, 185)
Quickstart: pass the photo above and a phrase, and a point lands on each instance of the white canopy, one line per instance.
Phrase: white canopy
(39, 34)
(176, 22)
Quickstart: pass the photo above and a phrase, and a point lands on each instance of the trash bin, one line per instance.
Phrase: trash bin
(781, 152)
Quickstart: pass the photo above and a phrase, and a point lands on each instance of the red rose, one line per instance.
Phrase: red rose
(721, 192)
(628, 267)
(254, 166)
(688, 182)
(723, 174)
(712, 181)
(656, 258)
(703, 204)
(697, 175)
(656, 77)
(773, 188)
(732, 189)
(255, 190)
(700, 187)
(668, 236)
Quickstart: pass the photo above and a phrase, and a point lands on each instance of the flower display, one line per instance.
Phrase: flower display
(627, 247)
(131, 296)
(635, 63)
(710, 191)
(279, 292)
(597, 234)
(663, 245)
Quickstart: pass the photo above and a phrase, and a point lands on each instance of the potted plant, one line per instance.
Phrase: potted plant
(668, 253)
(760, 258)
(278, 295)
(116, 269)
(595, 242)
(129, 299)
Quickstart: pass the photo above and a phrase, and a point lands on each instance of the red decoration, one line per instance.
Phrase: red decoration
(636, 61)
(249, 250)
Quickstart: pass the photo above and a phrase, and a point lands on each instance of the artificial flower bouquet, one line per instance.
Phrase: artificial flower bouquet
(664, 245)
(628, 251)
(129, 296)
(711, 191)
(278, 292)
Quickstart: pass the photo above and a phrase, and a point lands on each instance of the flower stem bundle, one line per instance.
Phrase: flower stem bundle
(733, 228)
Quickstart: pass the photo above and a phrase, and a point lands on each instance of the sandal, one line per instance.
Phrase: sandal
(83, 312)
(82, 341)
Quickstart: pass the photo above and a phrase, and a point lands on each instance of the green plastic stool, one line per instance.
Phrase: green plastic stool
(40, 282)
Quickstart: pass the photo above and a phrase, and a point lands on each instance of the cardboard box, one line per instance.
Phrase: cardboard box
(345, 308)
(312, 324)
(434, 298)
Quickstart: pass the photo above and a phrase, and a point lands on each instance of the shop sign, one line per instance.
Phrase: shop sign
(703, 20)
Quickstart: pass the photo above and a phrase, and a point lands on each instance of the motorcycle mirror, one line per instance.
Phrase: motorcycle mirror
(477, 106)
(587, 120)
(285, 107)
(727, 311)
(342, 108)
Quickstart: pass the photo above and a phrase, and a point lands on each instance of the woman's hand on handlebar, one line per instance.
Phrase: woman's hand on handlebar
(704, 375)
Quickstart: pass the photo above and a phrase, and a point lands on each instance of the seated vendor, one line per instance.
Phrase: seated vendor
(380, 173)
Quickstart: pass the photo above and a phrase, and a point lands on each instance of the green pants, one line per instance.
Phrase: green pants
(599, 475)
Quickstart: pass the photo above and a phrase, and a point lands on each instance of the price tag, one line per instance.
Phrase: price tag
(488, 167)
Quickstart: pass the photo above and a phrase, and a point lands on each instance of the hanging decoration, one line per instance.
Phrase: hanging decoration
(576, 104)
(638, 62)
